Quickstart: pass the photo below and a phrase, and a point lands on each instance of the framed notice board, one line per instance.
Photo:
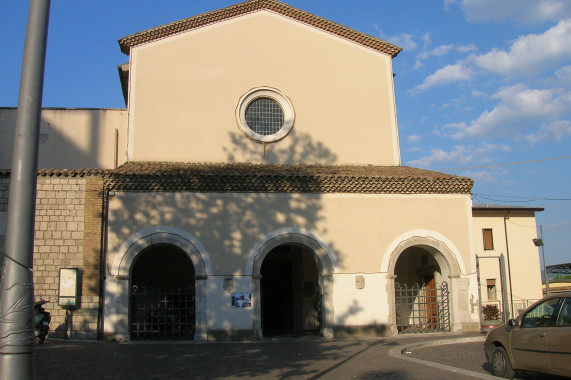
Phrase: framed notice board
(67, 296)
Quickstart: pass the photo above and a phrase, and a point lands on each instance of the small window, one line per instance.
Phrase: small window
(492, 292)
(488, 239)
(264, 116)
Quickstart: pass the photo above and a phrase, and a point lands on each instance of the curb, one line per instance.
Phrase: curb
(400, 353)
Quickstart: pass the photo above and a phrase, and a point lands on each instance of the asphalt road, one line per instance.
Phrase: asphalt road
(468, 356)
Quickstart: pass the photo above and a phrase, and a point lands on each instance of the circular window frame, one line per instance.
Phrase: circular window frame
(271, 93)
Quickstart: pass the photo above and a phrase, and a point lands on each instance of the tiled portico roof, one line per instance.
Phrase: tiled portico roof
(62, 172)
(217, 177)
(126, 43)
(209, 177)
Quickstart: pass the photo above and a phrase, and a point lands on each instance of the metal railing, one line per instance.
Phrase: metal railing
(422, 309)
(519, 306)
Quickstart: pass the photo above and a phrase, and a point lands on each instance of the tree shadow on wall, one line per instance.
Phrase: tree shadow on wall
(227, 223)
(296, 148)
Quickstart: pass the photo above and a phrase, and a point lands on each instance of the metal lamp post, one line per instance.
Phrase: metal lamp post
(539, 243)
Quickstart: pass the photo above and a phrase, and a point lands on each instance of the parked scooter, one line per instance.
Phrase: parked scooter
(42, 320)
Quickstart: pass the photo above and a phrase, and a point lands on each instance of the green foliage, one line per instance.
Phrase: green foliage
(561, 277)
(491, 312)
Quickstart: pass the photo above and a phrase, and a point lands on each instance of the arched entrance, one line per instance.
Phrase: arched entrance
(421, 293)
(162, 294)
(290, 292)
(312, 248)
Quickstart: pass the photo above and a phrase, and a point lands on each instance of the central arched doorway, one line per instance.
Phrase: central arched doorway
(162, 298)
(290, 292)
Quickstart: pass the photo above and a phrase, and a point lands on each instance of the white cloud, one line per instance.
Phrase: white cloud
(404, 40)
(519, 109)
(448, 2)
(467, 48)
(413, 138)
(487, 175)
(529, 54)
(479, 94)
(562, 78)
(460, 155)
(446, 75)
(524, 11)
(426, 38)
(550, 132)
(437, 51)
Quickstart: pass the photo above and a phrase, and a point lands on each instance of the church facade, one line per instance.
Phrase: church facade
(252, 187)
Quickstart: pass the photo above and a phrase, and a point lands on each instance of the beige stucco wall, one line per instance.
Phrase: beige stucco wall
(524, 264)
(361, 231)
(71, 138)
(184, 91)
(359, 228)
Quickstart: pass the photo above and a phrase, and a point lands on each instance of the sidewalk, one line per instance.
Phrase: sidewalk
(301, 358)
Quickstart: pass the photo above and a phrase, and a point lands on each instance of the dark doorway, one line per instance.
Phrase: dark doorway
(277, 312)
(162, 294)
(290, 291)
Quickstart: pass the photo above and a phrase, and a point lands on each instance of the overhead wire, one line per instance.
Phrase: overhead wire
(506, 164)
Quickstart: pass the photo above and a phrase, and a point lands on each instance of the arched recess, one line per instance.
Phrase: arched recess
(324, 259)
(442, 251)
(116, 311)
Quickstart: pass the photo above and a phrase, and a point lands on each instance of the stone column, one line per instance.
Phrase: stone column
(200, 309)
(327, 330)
(257, 317)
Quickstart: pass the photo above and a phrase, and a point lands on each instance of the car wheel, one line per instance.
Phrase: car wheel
(500, 362)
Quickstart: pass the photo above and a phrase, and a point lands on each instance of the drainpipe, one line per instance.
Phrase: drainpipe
(103, 262)
(509, 266)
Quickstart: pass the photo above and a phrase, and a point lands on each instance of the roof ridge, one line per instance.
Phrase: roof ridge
(250, 6)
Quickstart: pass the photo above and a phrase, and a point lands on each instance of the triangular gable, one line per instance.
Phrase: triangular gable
(126, 43)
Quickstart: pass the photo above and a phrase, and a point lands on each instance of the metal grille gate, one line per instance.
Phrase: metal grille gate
(162, 313)
(422, 309)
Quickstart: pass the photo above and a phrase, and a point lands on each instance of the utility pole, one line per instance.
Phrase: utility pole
(547, 292)
(17, 289)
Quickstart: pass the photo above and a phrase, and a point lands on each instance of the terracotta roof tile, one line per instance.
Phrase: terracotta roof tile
(217, 177)
(126, 43)
(61, 172)
(170, 176)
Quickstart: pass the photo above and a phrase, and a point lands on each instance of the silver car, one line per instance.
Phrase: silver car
(539, 340)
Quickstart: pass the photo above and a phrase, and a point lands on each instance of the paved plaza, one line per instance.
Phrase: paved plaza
(302, 358)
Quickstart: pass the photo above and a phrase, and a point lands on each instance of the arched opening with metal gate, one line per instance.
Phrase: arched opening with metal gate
(162, 294)
(290, 292)
(421, 292)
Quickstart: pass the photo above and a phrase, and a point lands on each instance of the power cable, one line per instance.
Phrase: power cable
(506, 164)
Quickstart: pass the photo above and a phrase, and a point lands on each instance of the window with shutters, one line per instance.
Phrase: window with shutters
(488, 239)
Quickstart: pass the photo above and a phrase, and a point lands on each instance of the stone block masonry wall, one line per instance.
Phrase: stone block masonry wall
(68, 235)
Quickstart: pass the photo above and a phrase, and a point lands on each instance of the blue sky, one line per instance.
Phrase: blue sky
(478, 83)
